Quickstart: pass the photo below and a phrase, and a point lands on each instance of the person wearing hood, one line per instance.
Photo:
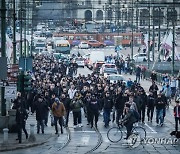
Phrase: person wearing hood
(58, 111)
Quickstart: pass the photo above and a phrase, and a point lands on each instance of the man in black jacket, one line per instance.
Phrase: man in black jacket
(129, 119)
(40, 107)
(107, 105)
(150, 106)
(160, 105)
(119, 105)
(21, 117)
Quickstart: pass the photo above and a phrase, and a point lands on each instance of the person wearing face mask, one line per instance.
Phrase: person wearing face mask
(94, 108)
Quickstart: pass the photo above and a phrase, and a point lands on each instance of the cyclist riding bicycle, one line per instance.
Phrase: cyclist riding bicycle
(129, 119)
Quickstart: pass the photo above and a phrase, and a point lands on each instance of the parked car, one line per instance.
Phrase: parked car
(109, 43)
(108, 71)
(83, 45)
(80, 62)
(114, 78)
(140, 57)
(107, 66)
(97, 65)
(95, 44)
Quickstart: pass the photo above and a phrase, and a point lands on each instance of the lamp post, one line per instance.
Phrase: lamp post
(149, 36)
(173, 42)
(14, 32)
(132, 39)
(3, 50)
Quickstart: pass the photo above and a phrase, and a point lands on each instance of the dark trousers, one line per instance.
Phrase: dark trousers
(67, 117)
(129, 127)
(20, 128)
(77, 117)
(119, 114)
(94, 116)
(177, 119)
(88, 116)
(138, 78)
(40, 123)
(60, 120)
(142, 114)
(46, 118)
(150, 112)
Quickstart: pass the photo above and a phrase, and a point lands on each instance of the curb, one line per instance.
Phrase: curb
(7, 147)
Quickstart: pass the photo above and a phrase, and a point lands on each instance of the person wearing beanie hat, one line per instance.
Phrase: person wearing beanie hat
(58, 111)
(177, 114)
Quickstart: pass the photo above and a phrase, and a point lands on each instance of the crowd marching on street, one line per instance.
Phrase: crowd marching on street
(56, 92)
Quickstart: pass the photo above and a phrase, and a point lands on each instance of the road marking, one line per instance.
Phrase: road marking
(85, 140)
(150, 128)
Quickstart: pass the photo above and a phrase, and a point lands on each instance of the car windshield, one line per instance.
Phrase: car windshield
(110, 71)
(115, 78)
(110, 66)
(79, 59)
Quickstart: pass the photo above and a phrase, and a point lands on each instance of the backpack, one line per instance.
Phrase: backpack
(136, 115)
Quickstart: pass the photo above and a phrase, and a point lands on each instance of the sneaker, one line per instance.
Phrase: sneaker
(75, 126)
(56, 133)
(161, 124)
(80, 125)
(157, 124)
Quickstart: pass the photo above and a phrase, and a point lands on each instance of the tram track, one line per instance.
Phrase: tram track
(100, 141)
(68, 139)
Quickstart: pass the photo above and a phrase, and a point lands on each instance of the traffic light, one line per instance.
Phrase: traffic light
(27, 83)
(20, 82)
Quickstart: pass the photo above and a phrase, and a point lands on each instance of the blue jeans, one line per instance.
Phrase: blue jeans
(40, 123)
(159, 116)
(106, 116)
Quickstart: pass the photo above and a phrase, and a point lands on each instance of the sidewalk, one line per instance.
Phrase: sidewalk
(49, 134)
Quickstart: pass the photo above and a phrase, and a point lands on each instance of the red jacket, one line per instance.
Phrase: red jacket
(175, 111)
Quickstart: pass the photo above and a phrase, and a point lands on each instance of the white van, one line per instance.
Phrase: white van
(95, 56)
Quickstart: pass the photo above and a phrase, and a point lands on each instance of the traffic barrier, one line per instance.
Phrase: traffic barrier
(5, 137)
(32, 137)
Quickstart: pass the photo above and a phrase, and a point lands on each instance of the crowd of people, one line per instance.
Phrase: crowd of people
(56, 92)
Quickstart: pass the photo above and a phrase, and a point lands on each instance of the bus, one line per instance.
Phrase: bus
(62, 46)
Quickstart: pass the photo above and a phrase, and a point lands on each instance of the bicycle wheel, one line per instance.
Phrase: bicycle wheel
(140, 131)
(114, 134)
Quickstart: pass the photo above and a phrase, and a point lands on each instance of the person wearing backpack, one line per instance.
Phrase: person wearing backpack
(129, 119)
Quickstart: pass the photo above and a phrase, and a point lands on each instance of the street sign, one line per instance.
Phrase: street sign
(25, 64)
(13, 70)
(3, 68)
(10, 92)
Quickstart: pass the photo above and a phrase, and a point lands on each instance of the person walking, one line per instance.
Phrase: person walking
(150, 106)
(177, 114)
(160, 105)
(58, 111)
(107, 105)
(76, 105)
(21, 117)
(94, 108)
(138, 74)
(40, 107)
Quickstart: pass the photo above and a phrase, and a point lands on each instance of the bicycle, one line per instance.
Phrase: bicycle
(115, 134)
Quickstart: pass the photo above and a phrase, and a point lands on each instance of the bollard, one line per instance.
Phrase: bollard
(5, 131)
(32, 137)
